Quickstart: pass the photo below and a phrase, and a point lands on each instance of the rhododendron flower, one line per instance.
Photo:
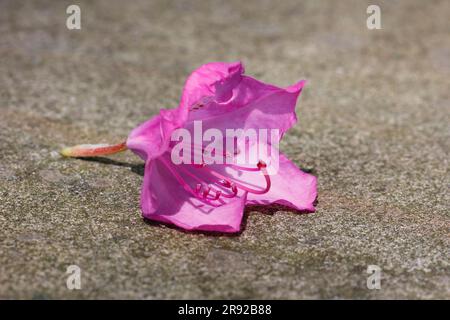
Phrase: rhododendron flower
(211, 197)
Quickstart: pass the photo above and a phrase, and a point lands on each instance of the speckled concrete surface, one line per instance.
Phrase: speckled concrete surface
(373, 126)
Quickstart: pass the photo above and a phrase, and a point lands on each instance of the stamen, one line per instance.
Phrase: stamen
(210, 192)
(206, 191)
(221, 186)
(201, 185)
(186, 186)
(261, 166)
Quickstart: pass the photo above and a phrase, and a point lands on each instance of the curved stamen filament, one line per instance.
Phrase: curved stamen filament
(186, 186)
(233, 189)
(201, 186)
(209, 193)
(261, 166)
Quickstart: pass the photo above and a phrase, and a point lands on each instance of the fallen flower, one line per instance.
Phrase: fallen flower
(211, 197)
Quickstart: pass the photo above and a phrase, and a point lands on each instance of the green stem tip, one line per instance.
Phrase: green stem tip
(93, 150)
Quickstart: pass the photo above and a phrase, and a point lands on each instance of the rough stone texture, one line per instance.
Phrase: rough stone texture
(373, 126)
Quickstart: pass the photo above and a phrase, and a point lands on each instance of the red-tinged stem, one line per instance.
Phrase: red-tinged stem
(93, 150)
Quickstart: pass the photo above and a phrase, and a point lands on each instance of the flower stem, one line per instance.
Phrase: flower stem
(93, 150)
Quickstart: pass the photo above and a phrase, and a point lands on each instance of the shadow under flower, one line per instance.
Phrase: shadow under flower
(137, 168)
(263, 209)
(269, 209)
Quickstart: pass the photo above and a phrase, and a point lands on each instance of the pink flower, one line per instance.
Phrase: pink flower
(212, 197)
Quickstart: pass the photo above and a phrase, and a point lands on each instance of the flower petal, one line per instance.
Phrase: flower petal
(146, 140)
(252, 104)
(152, 138)
(164, 199)
(212, 79)
(290, 187)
